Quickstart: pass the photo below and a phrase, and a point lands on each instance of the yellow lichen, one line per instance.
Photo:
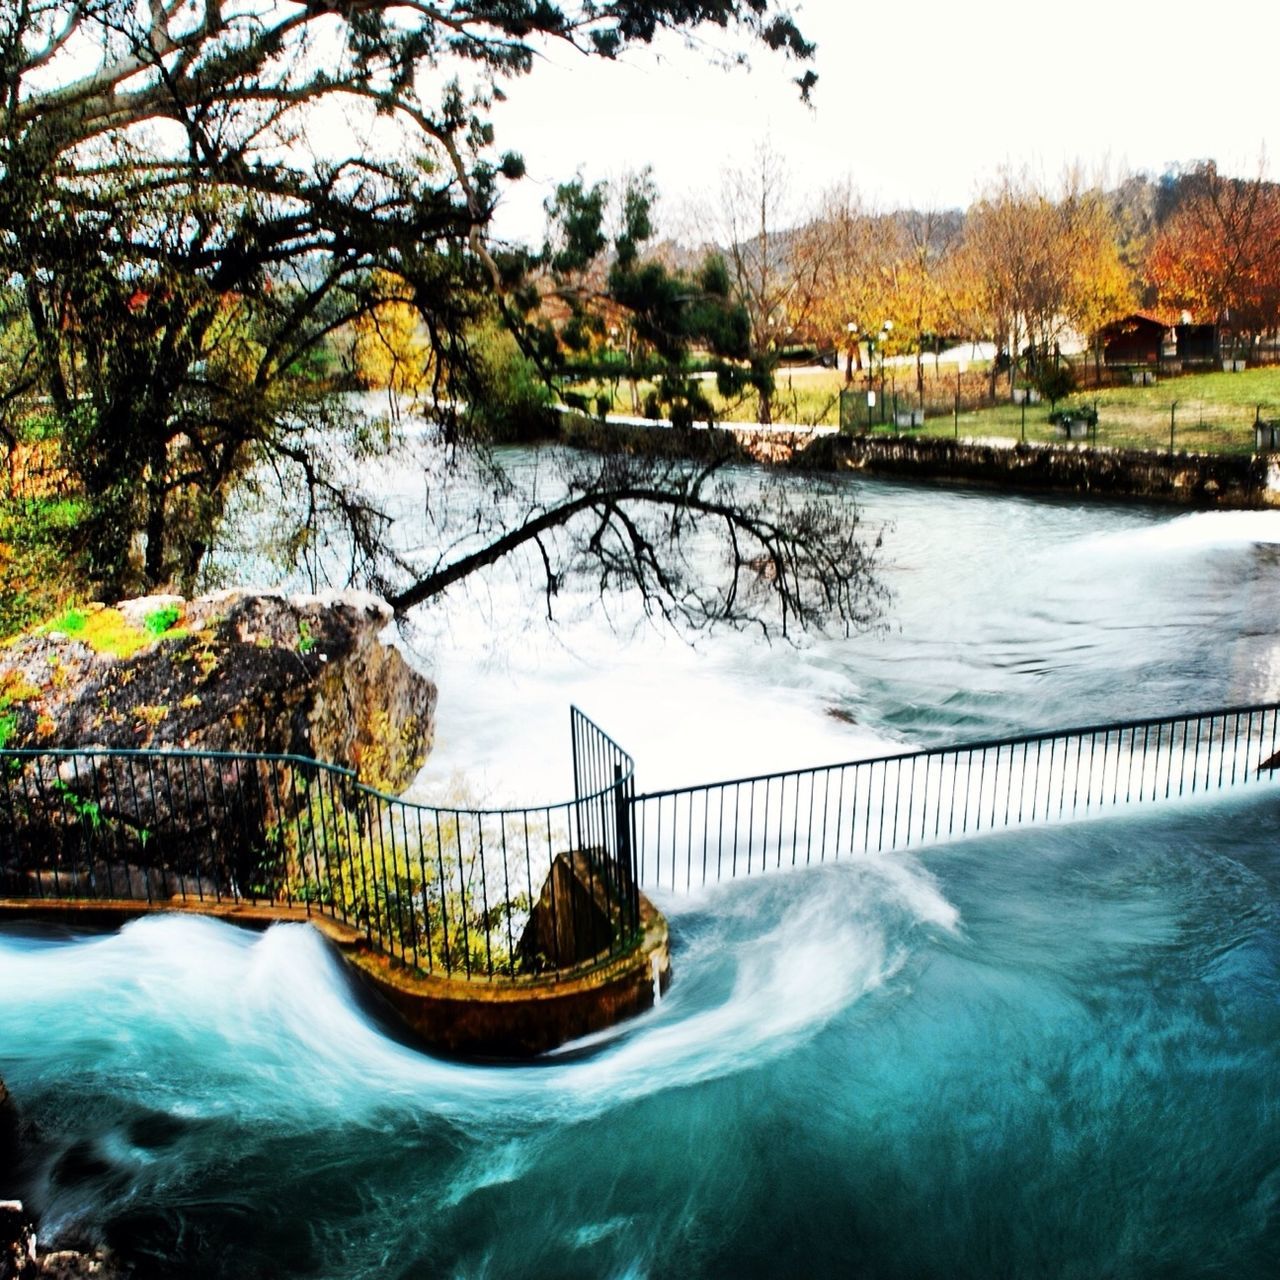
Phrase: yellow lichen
(13, 688)
(102, 629)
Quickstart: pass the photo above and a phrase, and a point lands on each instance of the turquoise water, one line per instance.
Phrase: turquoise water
(1038, 1054)
(1051, 1052)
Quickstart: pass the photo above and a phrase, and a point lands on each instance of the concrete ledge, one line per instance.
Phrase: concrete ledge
(465, 1017)
(522, 1017)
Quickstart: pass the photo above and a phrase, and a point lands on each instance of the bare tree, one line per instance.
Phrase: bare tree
(776, 271)
(701, 543)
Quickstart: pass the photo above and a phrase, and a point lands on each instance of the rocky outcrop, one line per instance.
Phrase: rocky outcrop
(8, 1130)
(235, 671)
(21, 1257)
(238, 671)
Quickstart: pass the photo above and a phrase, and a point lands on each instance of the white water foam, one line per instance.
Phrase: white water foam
(200, 1018)
(1197, 531)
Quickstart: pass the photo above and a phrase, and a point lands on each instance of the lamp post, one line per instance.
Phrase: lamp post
(872, 336)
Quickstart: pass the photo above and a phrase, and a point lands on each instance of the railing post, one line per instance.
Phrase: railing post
(623, 843)
(577, 778)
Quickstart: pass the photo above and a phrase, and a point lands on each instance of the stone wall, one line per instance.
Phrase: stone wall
(1186, 479)
(1195, 480)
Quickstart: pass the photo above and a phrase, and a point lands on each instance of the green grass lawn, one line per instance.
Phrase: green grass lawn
(1215, 411)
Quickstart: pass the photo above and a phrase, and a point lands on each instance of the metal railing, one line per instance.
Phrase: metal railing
(452, 890)
(604, 819)
(692, 836)
(505, 893)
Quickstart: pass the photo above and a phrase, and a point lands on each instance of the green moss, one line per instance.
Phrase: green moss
(8, 726)
(71, 621)
(162, 621)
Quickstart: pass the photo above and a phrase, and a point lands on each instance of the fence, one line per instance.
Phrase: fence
(693, 836)
(1154, 424)
(484, 893)
(501, 893)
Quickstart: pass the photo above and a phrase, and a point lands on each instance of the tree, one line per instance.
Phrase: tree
(1216, 255)
(591, 282)
(916, 299)
(1040, 265)
(183, 264)
(388, 349)
(846, 244)
(775, 271)
(641, 520)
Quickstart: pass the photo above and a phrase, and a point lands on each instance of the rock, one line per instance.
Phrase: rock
(17, 1243)
(71, 1264)
(21, 1259)
(575, 918)
(237, 671)
(241, 671)
(8, 1130)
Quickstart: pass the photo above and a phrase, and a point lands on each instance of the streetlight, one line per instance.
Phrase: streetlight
(872, 336)
(962, 367)
(885, 330)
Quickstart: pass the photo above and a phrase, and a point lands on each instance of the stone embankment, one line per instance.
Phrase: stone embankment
(1202, 480)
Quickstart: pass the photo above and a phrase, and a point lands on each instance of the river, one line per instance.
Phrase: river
(1046, 1052)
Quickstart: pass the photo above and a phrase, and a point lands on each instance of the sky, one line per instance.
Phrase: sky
(917, 104)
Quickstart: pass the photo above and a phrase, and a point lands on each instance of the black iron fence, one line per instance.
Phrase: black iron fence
(452, 890)
(506, 893)
(691, 836)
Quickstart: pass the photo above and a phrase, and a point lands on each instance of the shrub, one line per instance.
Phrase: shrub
(1055, 382)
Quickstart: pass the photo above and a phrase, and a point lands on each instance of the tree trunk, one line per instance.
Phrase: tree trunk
(765, 415)
(153, 568)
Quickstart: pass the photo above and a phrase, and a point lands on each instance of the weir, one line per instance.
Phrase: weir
(512, 930)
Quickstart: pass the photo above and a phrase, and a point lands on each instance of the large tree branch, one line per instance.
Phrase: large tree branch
(813, 566)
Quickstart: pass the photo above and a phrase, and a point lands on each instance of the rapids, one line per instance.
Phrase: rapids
(1043, 1052)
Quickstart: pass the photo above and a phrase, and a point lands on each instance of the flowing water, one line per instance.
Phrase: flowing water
(1048, 1051)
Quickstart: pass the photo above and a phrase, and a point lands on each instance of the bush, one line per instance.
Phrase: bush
(1054, 382)
(512, 400)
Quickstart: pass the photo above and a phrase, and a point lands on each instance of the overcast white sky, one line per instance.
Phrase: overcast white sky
(917, 104)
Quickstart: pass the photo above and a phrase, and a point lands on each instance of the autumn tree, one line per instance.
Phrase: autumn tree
(1218, 254)
(1041, 266)
(389, 348)
(920, 243)
(846, 245)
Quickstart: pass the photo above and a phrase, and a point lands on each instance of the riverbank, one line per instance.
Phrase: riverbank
(1201, 481)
